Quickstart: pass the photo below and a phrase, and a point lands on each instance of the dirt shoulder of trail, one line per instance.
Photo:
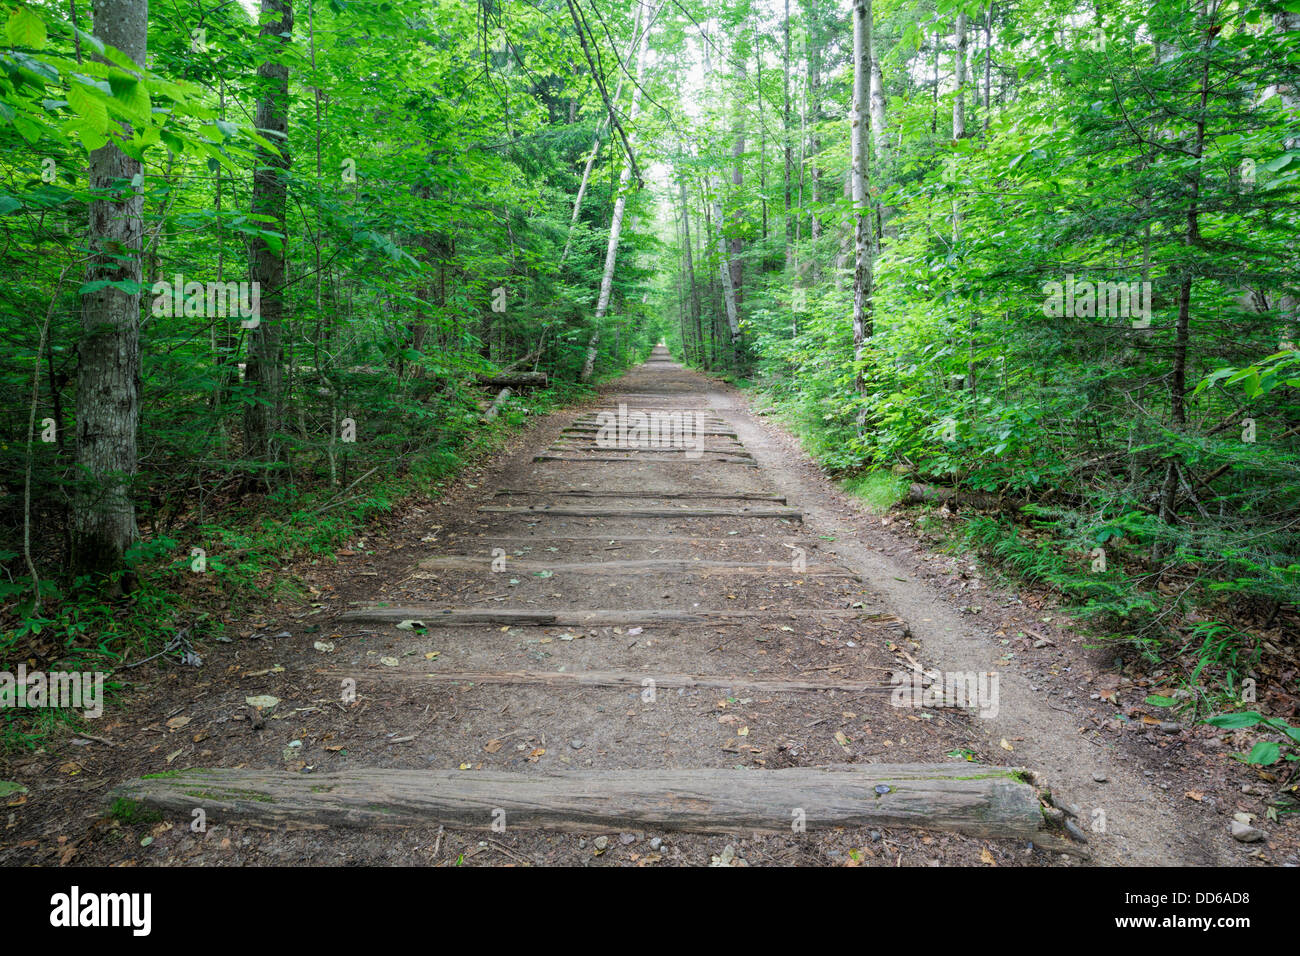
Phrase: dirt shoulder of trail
(1165, 795)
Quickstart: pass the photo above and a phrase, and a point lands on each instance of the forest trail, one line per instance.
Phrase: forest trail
(725, 579)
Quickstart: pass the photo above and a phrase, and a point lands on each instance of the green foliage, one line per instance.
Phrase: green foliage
(1265, 753)
(1155, 422)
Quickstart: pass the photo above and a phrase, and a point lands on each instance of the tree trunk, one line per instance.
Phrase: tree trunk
(108, 372)
(690, 274)
(738, 208)
(814, 117)
(728, 275)
(959, 78)
(264, 371)
(620, 208)
(787, 148)
(982, 801)
(595, 145)
(862, 264)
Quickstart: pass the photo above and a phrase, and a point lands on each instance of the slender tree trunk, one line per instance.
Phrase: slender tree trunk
(879, 136)
(1289, 96)
(595, 145)
(690, 270)
(988, 67)
(738, 208)
(787, 148)
(1182, 325)
(264, 370)
(813, 111)
(959, 78)
(862, 264)
(108, 372)
(616, 220)
(726, 271)
(934, 102)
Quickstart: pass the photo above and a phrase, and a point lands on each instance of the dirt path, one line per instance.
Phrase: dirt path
(716, 575)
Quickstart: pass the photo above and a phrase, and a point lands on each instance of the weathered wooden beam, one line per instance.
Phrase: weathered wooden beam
(708, 458)
(887, 624)
(566, 511)
(614, 679)
(650, 449)
(982, 801)
(634, 493)
(594, 429)
(651, 565)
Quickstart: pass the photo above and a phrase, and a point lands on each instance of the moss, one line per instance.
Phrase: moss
(133, 813)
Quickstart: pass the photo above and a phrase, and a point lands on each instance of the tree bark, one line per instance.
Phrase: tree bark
(978, 800)
(690, 273)
(108, 372)
(959, 78)
(862, 264)
(264, 371)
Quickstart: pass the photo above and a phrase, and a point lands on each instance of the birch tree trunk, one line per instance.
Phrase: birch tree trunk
(690, 272)
(728, 289)
(879, 144)
(878, 112)
(620, 208)
(264, 370)
(595, 145)
(108, 371)
(862, 264)
(959, 78)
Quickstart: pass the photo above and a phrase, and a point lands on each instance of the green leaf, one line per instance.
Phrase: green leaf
(1264, 753)
(1155, 700)
(89, 107)
(1247, 718)
(25, 29)
(130, 96)
(28, 129)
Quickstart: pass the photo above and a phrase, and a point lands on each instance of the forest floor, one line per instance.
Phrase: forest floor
(1149, 794)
